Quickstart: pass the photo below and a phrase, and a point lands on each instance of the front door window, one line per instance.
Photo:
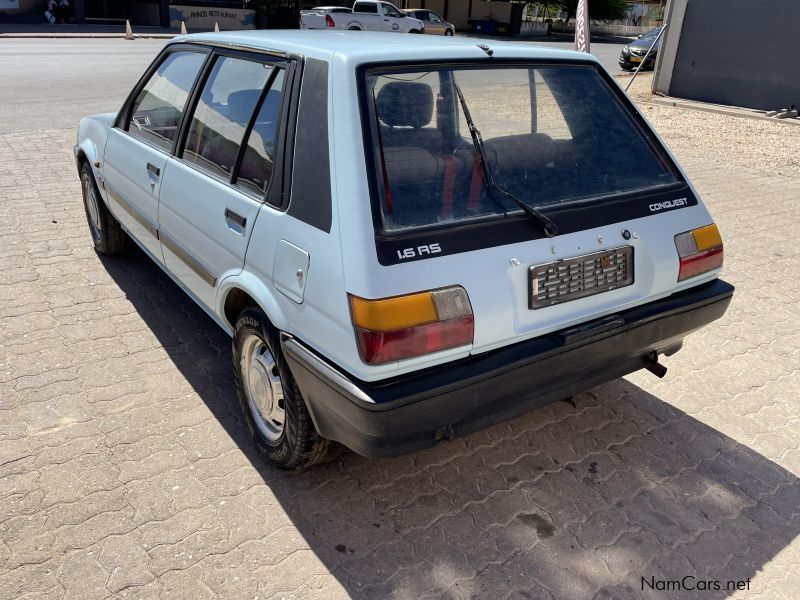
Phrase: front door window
(160, 104)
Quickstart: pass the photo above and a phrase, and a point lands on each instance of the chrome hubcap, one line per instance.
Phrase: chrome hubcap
(263, 387)
(92, 209)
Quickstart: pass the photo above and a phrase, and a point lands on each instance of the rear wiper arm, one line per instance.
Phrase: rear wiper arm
(550, 228)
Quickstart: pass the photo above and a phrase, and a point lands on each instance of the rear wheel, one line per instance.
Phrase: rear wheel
(415, 31)
(449, 32)
(271, 403)
(353, 29)
(107, 234)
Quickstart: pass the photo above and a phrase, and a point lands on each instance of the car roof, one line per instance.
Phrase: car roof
(364, 46)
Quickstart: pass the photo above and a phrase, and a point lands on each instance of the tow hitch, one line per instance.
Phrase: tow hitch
(656, 368)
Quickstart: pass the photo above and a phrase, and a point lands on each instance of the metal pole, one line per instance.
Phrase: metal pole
(649, 50)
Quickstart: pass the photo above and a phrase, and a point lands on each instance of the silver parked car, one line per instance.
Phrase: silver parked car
(433, 23)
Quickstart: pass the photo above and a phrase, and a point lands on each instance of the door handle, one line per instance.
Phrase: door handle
(153, 173)
(236, 219)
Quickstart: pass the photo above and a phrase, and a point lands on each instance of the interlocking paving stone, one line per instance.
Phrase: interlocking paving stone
(124, 469)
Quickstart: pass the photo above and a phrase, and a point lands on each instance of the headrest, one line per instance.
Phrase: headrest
(405, 104)
(406, 165)
(241, 105)
(524, 151)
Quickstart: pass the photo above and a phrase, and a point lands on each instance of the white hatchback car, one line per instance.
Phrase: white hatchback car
(408, 239)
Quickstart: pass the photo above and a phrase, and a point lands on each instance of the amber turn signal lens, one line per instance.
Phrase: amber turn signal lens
(707, 237)
(393, 313)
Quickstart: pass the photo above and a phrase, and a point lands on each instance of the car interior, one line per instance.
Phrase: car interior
(432, 174)
(214, 144)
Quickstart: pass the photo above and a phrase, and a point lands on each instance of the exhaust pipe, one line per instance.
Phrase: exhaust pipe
(656, 368)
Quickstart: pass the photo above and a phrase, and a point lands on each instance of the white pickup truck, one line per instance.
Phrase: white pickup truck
(367, 15)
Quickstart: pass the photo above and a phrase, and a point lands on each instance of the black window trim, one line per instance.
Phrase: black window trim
(298, 205)
(249, 128)
(464, 234)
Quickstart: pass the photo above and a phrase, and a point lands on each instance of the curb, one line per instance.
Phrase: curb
(59, 36)
(721, 109)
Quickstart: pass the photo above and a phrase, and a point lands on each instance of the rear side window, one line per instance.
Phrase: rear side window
(552, 136)
(159, 106)
(366, 7)
(223, 112)
(255, 172)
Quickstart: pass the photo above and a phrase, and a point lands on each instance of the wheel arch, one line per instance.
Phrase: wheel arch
(243, 290)
(85, 152)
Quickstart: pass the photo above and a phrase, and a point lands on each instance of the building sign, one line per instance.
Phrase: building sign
(202, 18)
(9, 4)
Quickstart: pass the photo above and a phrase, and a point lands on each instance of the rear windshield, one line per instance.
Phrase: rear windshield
(551, 135)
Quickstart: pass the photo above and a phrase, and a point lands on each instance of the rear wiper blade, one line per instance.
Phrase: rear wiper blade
(550, 228)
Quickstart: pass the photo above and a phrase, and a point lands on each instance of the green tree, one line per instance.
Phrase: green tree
(598, 9)
(550, 7)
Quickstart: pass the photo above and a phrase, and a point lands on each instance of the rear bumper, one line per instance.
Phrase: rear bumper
(415, 411)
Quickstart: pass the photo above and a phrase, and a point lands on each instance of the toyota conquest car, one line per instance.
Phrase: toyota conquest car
(407, 239)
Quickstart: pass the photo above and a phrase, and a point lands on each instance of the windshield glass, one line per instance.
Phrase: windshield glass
(651, 35)
(551, 135)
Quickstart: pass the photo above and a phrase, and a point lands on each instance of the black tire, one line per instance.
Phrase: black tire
(354, 29)
(449, 33)
(107, 234)
(297, 445)
(415, 31)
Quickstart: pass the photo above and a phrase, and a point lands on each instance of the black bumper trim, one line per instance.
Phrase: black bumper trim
(410, 412)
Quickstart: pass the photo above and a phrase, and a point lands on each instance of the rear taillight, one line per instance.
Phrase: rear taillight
(405, 326)
(700, 251)
(329, 21)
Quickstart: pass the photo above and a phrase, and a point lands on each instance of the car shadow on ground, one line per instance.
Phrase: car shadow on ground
(607, 496)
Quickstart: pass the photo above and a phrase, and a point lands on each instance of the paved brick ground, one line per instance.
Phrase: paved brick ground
(123, 470)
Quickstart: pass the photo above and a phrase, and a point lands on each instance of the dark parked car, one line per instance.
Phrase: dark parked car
(634, 53)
